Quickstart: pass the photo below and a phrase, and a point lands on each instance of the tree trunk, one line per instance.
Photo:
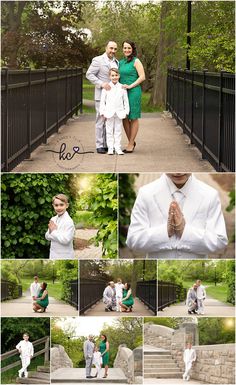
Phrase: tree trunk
(159, 86)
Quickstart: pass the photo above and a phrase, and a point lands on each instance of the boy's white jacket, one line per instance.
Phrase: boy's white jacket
(189, 355)
(27, 348)
(204, 231)
(201, 292)
(114, 101)
(62, 238)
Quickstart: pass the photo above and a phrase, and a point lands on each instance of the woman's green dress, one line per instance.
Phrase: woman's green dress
(129, 301)
(128, 75)
(105, 357)
(42, 302)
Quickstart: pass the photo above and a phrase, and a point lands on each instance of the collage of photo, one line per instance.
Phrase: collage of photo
(118, 192)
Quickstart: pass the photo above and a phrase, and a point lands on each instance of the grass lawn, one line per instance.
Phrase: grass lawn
(9, 377)
(84, 219)
(54, 290)
(88, 93)
(218, 292)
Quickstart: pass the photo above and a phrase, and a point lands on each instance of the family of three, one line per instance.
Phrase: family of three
(118, 297)
(117, 97)
(97, 356)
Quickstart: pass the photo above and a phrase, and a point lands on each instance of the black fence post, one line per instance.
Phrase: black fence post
(172, 89)
(220, 120)
(184, 97)
(58, 91)
(178, 72)
(203, 110)
(81, 90)
(192, 107)
(29, 136)
(6, 112)
(167, 89)
(45, 104)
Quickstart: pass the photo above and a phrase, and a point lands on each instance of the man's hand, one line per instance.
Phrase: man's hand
(106, 86)
(52, 226)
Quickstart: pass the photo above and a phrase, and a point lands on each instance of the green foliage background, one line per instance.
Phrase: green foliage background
(127, 198)
(26, 210)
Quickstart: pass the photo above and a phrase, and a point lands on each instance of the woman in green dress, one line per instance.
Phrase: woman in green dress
(131, 76)
(104, 350)
(41, 302)
(127, 300)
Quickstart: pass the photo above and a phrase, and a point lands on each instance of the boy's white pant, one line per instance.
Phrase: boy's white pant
(98, 367)
(200, 305)
(188, 366)
(114, 132)
(118, 299)
(25, 361)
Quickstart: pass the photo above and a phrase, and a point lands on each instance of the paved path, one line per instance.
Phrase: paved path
(139, 309)
(77, 375)
(23, 307)
(213, 307)
(168, 381)
(84, 248)
(160, 146)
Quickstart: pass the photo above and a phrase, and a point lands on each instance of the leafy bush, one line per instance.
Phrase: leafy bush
(127, 198)
(26, 210)
(230, 280)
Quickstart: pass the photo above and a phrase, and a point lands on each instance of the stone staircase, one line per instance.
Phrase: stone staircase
(41, 376)
(160, 364)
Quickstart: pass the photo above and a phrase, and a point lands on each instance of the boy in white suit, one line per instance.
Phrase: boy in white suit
(177, 216)
(201, 296)
(35, 288)
(189, 358)
(26, 350)
(97, 361)
(114, 106)
(119, 286)
(61, 230)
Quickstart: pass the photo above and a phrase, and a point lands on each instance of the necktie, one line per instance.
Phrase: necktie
(179, 198)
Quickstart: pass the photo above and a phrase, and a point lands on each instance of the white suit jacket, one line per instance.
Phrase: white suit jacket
(204, 231)
(201, 292)
(35, 289)
(98, 72)
(27, 348)
(62, 238)
(114, 101)
(189, 355)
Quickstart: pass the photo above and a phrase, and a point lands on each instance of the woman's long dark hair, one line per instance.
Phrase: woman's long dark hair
(134, 49)
(128, 285)
(105, 337)
(44, 285)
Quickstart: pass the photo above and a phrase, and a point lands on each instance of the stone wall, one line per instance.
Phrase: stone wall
(158, 336)
(59, 358)
(131, 363)
(214, 363)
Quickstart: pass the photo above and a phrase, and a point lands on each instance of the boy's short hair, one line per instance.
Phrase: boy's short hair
(114, 70)
(25, 334)
(61, 197)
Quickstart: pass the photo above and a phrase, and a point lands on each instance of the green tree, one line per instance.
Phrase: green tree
(216, 330)
(26, 210)
(127, 198)
(67, 271)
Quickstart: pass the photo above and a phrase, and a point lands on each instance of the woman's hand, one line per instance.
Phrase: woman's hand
(127, 86)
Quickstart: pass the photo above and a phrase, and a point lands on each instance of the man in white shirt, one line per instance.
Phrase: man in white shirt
(189, 358)
(119, 286)
(98, 74)
(177, 216)
(26, 350)
(109, 296)
(114, 106)
(35, 288)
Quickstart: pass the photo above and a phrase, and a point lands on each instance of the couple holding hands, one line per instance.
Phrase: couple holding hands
(117, 97)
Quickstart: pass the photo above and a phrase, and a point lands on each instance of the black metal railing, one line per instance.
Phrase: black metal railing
(146, 291)
(91, 291)
(10, 290)
(169, 293)
(203, 104)
(73, 293)
(35, 103)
